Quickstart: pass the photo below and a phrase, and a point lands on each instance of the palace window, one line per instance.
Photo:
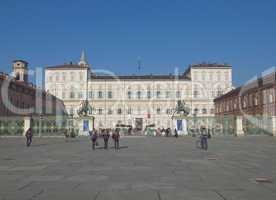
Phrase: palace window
(71, 111)
(148, 94)
(90, 94)
(167, 94)
(168, 111)
(109, 111)
(139, 95)
(100, 94)
(100, 111)
(158, 110)
(109, 94)
(178, 94)
(158, 94)
(129, 94)
(204, 111)
(196, 93)
(129, 111)
(72, 95)
(80, 95)
(119, 111)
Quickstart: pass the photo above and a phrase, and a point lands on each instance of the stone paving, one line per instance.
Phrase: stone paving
(144, 168)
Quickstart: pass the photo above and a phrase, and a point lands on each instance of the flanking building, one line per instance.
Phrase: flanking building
(137, 100)
(20, 101)
(251, 108)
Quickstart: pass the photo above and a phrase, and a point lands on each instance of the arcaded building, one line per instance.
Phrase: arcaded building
(253, 104)
(18, 97)
(23, 105)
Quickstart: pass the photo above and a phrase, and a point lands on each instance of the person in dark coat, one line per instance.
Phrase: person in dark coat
(167, 132)
(106, 136)
(94, 137)
(204, 138)
(116, 138)
(29, 137)
(175, 133)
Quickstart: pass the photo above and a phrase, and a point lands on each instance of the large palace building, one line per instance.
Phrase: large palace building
(137, 100)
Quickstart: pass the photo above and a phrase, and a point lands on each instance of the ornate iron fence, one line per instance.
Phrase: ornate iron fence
(11, 126)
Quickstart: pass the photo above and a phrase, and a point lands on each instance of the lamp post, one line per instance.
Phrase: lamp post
(40, 118)
(195, 119)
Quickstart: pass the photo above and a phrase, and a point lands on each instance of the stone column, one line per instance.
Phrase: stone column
(27, 124)
(239, 128)
(273, 122)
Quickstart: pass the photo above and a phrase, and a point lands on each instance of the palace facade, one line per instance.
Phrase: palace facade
(137, 100)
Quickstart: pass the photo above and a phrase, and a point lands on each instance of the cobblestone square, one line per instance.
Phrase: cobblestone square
(144, 168)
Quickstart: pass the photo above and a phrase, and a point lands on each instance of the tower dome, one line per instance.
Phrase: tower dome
(20, 70)
(83, 59)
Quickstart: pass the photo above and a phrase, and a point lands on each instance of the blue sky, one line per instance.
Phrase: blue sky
(165, 34)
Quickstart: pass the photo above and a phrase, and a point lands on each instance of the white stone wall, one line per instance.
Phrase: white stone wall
(207, 82)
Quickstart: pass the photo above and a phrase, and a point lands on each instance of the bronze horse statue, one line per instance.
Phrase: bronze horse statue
(85, 108)
(181, 109)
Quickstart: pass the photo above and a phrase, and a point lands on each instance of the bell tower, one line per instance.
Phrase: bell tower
(83, 59)
(20, 70)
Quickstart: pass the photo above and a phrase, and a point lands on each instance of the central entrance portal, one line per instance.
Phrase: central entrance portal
(139, 124)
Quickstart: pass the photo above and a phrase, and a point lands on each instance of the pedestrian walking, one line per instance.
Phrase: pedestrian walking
(175, 133)
(106, 136)
(116, 138)
(167, 132)
(94, 137)
(29, 137)
(204, 138)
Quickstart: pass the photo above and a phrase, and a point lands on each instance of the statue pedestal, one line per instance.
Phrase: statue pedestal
(27, 124)
(181, 126)
(85, 124)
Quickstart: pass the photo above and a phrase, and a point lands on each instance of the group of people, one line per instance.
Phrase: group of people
(115, 134)
(105, 134)
(167, 132)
